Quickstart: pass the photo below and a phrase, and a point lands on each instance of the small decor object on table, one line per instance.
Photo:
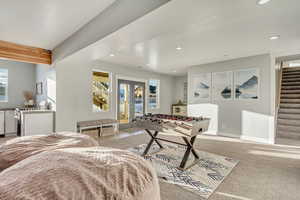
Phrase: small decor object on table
(186, 127)
(29, 99)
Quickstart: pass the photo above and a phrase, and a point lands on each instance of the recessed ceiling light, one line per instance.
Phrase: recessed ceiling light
(111, 55)
(174, 71)
(178, 48)
(274, 37)
(262, 2)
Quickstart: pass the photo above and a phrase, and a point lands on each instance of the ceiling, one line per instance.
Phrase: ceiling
(45, 24)
(207, 31)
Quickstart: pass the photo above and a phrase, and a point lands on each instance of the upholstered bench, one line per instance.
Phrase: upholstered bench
(97, 124)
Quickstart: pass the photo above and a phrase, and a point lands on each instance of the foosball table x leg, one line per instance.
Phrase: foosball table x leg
(190, 148)
(153, 138)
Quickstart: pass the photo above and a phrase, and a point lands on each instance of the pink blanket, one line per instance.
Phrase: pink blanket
(80, 173)
(20, 148)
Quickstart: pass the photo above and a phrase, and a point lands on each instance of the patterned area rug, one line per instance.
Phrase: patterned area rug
(202, 179)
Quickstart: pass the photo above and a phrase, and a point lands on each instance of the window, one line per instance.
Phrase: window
(154, 94)
(101, 91)
(3, 85)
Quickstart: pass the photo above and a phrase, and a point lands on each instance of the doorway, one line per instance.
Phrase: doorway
(131, 101)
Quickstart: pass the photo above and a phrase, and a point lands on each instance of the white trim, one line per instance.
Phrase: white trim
(256, 139)
(210, 133)
(228, 135)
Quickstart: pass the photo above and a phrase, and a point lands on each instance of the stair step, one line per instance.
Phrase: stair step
(296, 83)
(290, 87)
(285, 100)
(291, 68)
(290, 96)
(290, 91)
(291, 72)
(287, 128)
(289, 116)
(289, 135)
(289, 111)
(289, 122)
(288, 80)
(284, 76)
(290, 105)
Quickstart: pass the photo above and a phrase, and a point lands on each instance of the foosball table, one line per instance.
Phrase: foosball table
(188, 128)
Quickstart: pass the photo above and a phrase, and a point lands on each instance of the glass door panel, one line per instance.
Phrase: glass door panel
(139, 96)
(124, 103)
(131, 101)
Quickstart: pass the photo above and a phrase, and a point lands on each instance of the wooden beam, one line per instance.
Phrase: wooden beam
(24, 53)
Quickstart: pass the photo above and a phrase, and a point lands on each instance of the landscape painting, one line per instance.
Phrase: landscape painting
(222, 85)
(201, 84)
(246, 84)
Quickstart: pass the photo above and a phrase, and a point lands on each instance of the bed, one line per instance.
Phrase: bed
(18, 149)
(81, 173)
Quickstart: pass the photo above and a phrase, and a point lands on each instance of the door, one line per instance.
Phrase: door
(131, 101)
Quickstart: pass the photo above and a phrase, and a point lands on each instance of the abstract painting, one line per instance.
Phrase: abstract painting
(246, 84)
(222, 85)
(201, 87)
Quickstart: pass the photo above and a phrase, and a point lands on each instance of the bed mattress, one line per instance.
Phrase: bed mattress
(80, 173)
(15, 150)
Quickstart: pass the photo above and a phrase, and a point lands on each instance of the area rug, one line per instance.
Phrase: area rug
(202, 179)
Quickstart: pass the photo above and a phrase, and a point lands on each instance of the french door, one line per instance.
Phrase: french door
(131, 101)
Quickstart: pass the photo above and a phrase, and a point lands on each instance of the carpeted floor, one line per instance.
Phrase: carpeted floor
(265, 172)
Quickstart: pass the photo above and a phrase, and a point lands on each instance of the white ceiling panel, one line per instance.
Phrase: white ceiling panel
(43, 23)
(207, 31)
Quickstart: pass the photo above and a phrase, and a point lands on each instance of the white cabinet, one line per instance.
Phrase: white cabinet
(10, 122)
(2, 122)
(37, 122)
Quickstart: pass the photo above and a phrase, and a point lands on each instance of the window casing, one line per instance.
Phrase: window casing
(154, 92)
(101, 84)
(3, 85)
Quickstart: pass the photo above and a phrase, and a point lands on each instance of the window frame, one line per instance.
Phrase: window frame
(157, 94)
(109, 91)
(6, 88)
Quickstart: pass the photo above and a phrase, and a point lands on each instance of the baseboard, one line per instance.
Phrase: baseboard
(256, 139)
(231, 135)
(209, 133)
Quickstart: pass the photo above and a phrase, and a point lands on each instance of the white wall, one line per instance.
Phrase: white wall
(21, 77)
(74, 96)
(232, 117)
(179, 88)
(47, 75)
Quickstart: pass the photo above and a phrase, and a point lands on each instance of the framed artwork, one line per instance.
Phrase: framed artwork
(222, 85)
(39, 88)
(246, 84)
(101, 83)
(201, 87)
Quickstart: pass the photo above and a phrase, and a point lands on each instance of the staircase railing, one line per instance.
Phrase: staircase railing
(278, 96)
